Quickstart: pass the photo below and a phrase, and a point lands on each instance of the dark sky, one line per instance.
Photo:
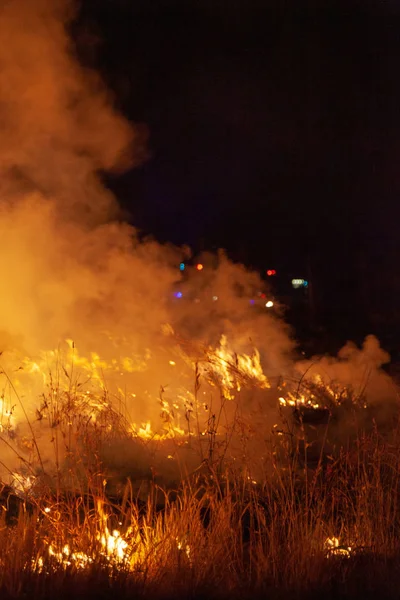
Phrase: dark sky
(274, 131)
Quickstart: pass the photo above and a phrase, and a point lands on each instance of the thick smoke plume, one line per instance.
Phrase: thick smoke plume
(358, 368)
(71, 270)
(58, 127)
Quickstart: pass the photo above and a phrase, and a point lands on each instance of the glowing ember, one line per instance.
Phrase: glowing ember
(333, 547)
(298, 400)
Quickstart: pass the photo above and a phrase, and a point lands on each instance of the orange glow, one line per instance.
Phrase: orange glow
(199, 267)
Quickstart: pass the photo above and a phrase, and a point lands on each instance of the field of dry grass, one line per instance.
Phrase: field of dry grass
(302, 530)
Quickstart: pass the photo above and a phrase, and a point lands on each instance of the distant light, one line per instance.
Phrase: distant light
(182, 267)
(178, 294)
(262, 295)
(296, 283)
(172, 363)
(215, 298)
(271, 272)
(199, 267)
(252, 301)
(269, 304)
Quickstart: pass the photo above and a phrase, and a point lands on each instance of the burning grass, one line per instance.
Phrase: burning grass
(298, 516)
(140, 464)
(218, 532)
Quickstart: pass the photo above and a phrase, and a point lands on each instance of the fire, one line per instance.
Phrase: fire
(108, 545)
(231, 370)
(22, 484)
(96, 383)
(298, 400)
(113, 545)
(66, 558)
(314, 393)
(183, 547)
(146, 432)
(7, 420)
(333, 547)
(66, 395)
(70, 268)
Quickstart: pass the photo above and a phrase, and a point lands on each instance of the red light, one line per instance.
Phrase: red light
(271, 272)
(199, 267)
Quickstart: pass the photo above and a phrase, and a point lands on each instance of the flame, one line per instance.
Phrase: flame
(7, 420)
(94, 381)
(66, 558)
(232, 370)
(316, 393)
(184, 547)
(113, 545)
(298, 400)
(333, 547)
(64, 393)
(116, 549)
(22, 484)
(146, 432)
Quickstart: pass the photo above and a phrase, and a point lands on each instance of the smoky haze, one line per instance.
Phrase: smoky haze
(66, 260)
(58, 127)
(71, 269)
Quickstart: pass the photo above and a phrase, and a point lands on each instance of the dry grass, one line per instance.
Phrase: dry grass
(219, 534)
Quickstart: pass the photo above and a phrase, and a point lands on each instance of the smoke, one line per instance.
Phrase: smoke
(356, 368)
(70, 269)
(58, 126)
(65, 260)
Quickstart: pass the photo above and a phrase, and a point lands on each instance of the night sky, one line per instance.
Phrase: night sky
(273, 132)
